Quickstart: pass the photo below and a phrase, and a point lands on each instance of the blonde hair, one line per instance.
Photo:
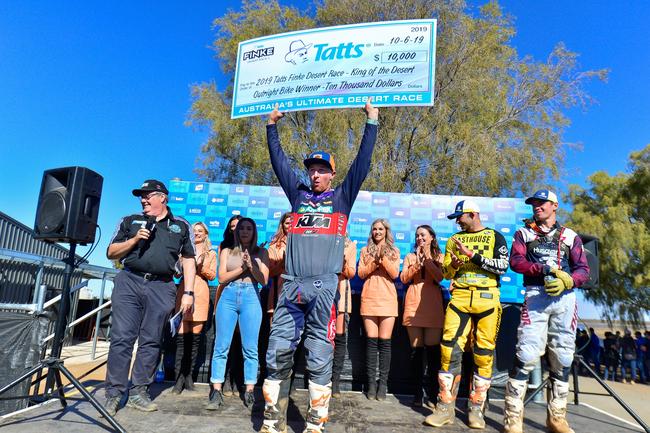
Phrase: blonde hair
(388, 239)
(279, 233)
(207, 242)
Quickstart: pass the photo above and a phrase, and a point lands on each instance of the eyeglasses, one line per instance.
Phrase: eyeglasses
(151, 194)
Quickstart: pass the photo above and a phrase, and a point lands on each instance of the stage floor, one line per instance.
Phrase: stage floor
(352, 413)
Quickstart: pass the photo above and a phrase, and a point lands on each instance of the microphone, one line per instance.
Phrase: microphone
(151, 223)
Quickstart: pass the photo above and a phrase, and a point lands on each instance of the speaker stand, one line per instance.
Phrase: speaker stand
(53, 363)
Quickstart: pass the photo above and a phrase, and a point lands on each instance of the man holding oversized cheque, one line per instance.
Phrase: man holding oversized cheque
(337, 67)
(313, 258)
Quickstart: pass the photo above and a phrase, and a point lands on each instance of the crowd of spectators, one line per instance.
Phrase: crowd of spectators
(616, 357)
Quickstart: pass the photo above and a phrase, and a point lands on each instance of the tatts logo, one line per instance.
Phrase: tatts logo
(313, 221)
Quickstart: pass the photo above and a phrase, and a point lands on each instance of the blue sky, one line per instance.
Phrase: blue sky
(106, 85)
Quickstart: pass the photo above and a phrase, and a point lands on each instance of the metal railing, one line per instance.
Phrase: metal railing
(39, 305)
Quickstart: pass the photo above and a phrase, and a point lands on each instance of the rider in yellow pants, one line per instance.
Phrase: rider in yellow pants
(474, 260)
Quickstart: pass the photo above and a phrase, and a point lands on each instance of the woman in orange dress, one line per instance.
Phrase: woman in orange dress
(379, 266)
(423, 312)
(189, 333)
(344, 308)
(276, 261)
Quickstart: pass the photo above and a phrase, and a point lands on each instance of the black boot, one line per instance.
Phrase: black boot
(191, 361)
(178, 365)
(417, 356)
(433, 366)
(371, 367)
(384, 367)
(337, 366)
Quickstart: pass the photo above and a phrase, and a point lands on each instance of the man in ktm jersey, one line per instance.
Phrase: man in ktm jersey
(313, 260)
(474, 259)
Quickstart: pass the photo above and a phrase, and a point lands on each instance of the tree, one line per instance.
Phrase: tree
(615, 209)
(496, 127)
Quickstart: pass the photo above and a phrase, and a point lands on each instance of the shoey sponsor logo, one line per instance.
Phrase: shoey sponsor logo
(219, 188)
(401, 212)
(259, 191)
(197, 198)
(213, 223)
(421, 214)
(362, 218)
(239, 189)
(258, 202)
(217, 199)
(505, 217)
(215, 211)
(381, 212)
(421, 201)
(279, 203)
(400, 201)
(504, 205)
(178, 186)
(237, 201)
(257, 213)
(177, 208)
(196, 210)
(342, 51)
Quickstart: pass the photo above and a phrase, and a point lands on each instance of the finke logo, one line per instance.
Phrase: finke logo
(259, 53)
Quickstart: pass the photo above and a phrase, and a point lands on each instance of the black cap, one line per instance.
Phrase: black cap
(150, 185)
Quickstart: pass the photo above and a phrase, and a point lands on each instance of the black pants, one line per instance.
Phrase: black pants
(140, 309)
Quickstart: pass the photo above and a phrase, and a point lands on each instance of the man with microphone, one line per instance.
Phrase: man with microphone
(149, 245)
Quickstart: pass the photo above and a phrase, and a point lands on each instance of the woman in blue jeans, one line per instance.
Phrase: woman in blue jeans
(243, 269)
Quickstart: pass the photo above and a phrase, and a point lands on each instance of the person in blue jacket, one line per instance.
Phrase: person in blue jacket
(313, 260)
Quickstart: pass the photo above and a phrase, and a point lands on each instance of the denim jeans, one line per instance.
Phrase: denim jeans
(629, 364)
(239, 301)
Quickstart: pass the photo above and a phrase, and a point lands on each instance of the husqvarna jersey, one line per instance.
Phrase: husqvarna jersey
(534, 253)
(316, 239)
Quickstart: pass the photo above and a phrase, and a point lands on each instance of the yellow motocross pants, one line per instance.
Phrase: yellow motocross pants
(475, 311)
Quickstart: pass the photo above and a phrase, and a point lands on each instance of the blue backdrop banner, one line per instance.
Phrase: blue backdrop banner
(214, 204)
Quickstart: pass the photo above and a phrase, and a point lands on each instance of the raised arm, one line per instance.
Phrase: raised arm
(361, 164)
(279, 160)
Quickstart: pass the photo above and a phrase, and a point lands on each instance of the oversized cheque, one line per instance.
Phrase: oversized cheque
(336, 67)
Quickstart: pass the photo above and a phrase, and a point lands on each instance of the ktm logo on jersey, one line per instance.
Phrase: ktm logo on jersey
(313, 221)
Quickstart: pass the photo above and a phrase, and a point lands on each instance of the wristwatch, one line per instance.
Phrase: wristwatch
(189, 292)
